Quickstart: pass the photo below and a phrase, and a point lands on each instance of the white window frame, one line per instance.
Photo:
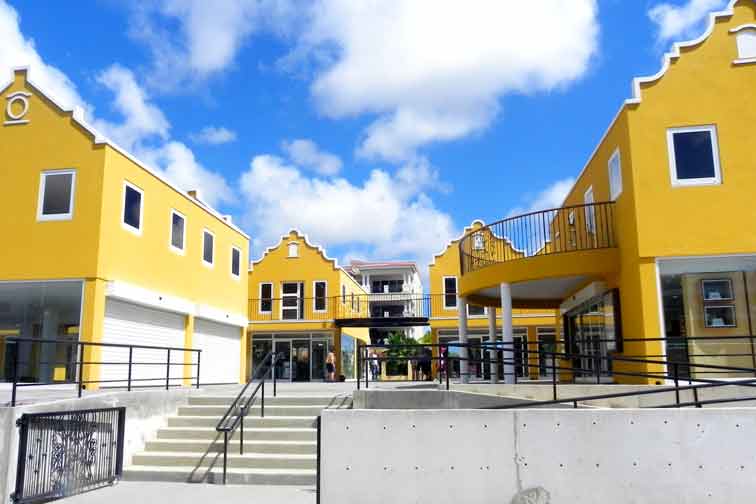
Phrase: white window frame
(41, 197)
(260, 297)
(744, 35)
(456, 294)
(590, 211)
(343, 295)
(124, 225)
(292, 246)
(615, 179)
(716, 179)
(484, 314)
(231, 268)
(182, 250)
(315, 297)
(210, 264)
(478, 241)
(298, 295)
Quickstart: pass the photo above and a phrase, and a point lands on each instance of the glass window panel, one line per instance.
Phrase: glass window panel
(207, 247)
(57, 197)
(717, 290)
(132, 208)
(720, 316)
(291, 288)
(235, 262)
(177, 231)
(694, 155)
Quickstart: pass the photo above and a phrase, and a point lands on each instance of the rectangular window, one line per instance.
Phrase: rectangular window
(320, 296)
(720, 316)
(266, 297)
(235, 262)
(450, 292)
(615, 175)
(717, 290)
(590, 212)
(475, 310)
(694, 156)
(178, 224)
(343, 294)
(56, 195)
(208, 246)
(291, 301)
(133, 204)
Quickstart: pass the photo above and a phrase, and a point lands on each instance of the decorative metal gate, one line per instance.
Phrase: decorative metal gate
(66, 453)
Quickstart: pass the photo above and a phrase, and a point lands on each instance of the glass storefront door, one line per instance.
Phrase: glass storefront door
(319, 354)
(283, 366)
(300, 357)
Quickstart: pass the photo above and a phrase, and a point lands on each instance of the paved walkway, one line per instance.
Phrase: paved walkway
(137, 492)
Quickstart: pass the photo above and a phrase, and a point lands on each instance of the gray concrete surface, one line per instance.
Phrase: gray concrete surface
(428, 399)
(128, 492)
(618, 456)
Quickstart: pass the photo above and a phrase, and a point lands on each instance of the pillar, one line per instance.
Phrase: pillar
(246, 355)
(190, 358)
(506, 332)
(464, 365)
(93, 318)
(492, 341)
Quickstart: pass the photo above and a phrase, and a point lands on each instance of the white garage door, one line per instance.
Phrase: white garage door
(220, 345)
(130, 324)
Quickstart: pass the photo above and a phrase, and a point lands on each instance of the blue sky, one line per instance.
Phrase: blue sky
(379, 128)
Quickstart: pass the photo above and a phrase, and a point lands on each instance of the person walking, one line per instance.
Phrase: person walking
(375, 367)
(330, 367)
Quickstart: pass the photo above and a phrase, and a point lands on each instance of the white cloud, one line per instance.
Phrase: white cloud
(212, 135)
(386, 216)
(307, 154)
(551, 197)
(435, 70)
(16, 51)
(677, 21)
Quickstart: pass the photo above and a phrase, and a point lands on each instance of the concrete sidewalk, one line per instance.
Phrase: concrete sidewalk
(131, 492)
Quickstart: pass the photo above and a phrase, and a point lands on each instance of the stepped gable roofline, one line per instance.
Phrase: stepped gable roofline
(98, 139)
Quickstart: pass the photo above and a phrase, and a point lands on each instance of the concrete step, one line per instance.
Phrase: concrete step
(235, 476)
(249, 421)
(251, 445)
(246, 461)
(271, 410)
(257, 434)
(324, 401)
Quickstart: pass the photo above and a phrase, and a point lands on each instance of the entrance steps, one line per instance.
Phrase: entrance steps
(280, 449)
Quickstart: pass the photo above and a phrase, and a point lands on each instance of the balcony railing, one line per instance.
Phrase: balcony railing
(351, 306)
(555, 231)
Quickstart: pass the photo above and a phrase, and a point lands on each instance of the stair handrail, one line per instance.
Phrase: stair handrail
(262, 373)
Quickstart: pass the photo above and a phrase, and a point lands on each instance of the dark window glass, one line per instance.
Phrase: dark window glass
(57, 197)
(132, 208)
(291, 288)
(207, 247)
(476, 310)
(177, 231)
(694, 155)
(266, 295)
(235, 262)
(320, 296)
(450, 292)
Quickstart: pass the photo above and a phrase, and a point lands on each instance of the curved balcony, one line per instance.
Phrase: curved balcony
(577, 242)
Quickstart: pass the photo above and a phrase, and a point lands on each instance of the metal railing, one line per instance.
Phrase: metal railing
(554, 231)
(234, 417)
(66, 453)
(80, 362)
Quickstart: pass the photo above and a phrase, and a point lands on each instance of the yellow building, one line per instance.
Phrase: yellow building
(653, 253)
(532, 328)
(98, 247)
(298, 301)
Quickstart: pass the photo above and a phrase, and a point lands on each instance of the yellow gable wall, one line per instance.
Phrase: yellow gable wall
(148, 261)
(51, 140)
(701, 87)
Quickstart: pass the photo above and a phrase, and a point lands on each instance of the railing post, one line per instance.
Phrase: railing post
(273, 372)
(241, 433)
(225, 455)
(262, 399)
(15, 374)
(447, 366)
(553, 376)
(131, 353)
(199, 356)
(597, 365)
(675, 372)
(369, 363)
(81, 367)
(359, 367)
(168, 370)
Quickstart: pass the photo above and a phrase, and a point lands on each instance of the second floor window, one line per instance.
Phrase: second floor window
(208, 248)
(291, 301)
(320, 296)
(694, 156)
(178, 223)
(56, 195)
(266, 297)
(133, 204)
(450, 292)
(235, 262)
(615, 175)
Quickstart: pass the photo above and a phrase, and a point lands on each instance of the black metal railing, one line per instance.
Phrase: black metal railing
(137, 365)
(554, 231)
(67, 453)
(564, 366)
(233, 419)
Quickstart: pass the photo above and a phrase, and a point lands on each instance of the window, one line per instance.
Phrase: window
(291, 301)
(266, 297)
(208, 246)
(178, 224)
(133, 203)
(320, 296)
(615, 175)
(343, 294)
(720, 316)
(479, 242)
(450, 292)
(475, 310)
(694, 156)
(235, 262)
(293, 249)
(56, 195)
(717, 290)
(590, 212)
(746, 41)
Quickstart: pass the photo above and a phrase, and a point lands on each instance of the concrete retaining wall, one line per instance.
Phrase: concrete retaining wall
(426, 399)
(145, 413)
(538, 456)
